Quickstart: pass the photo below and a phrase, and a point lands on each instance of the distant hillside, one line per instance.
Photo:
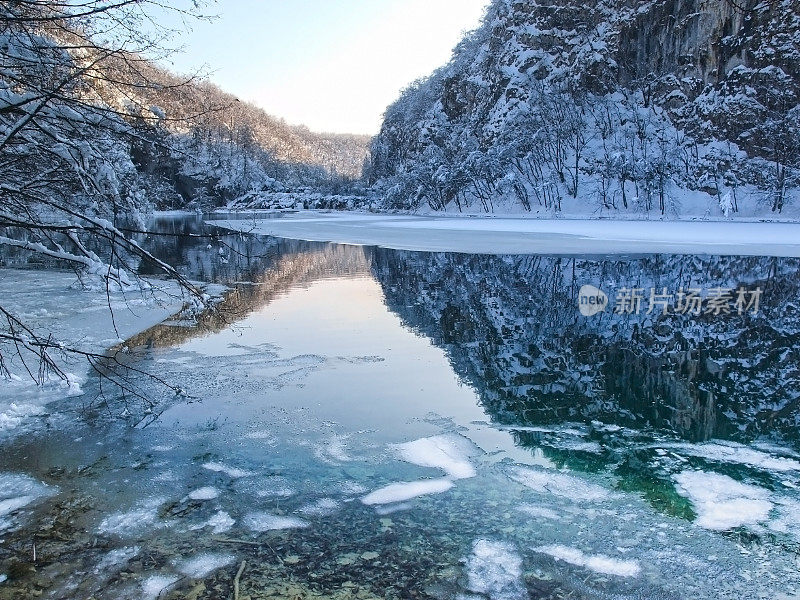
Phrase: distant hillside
(675, 107)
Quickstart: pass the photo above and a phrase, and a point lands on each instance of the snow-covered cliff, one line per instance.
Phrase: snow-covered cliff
(676, 107)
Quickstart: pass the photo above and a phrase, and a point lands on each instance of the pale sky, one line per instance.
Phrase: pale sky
(333, 65)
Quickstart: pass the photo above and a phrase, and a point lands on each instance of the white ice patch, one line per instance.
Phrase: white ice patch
(204, 564)
(400, 492)
(154, 586)
(494, 569)
(559, 484)
(333, 451)
(204, 493)
(321, 508)
(117, 558)
(264, 521)
(17, 492)
(3, 577)
(722, 502)
(597, 562)
(732, 452)
(447, 452)
(221, 522)
(232, 472)
(539, 512)
(132, 522)
(388, 509)
(12, 415)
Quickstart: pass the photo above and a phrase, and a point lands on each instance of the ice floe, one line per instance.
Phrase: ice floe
(494, 569)
(232, 472)
(731, 452)
(264, 521)
(721, 502)
(406, 490)
(203, 565)
(540, 512)
(16, 492)
(595, 562)
(559, 484)
(447, 452)
(132, 522)
(204, 493)
(13, 414)
(221, 522)
(321, 508)
(117, 558)
(155, 585)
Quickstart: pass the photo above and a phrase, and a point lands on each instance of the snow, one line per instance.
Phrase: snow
(204, 564)
(204, 493)
(488, 235)
(597, 562)
(264, 521)
(400, 492)
(446, 452)
(721, 502)
(559, 484)
(494, 569)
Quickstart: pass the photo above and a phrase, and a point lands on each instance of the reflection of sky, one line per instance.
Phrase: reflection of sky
(375, 371)
(333, 66)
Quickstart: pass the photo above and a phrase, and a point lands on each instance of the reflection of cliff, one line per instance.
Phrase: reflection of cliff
(512, 329)
(288, 264)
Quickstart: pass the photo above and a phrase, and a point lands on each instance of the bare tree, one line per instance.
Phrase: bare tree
(74, 91)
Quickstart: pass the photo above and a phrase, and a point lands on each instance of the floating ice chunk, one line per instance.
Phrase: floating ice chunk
(352, 488)
(220, 522)
(732, 452)
(447, 452)
(321, 508)
(204, 493)
(162, 448)
(154, 586)
(13, 415)
(264, 521)
(18, 491)
(132, 522)
(597, 562)
(400, 492)
(117, 558)
(539, 512)
(494, 569)
(3, 577)
(204, 564)
(388, 509)
(232, 472)
(333, 451)
(722, 502)
(559, 484)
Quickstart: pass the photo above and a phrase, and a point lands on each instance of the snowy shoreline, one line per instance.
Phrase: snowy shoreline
(525, 235)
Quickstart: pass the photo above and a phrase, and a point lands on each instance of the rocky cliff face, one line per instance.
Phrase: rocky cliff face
(630, 102)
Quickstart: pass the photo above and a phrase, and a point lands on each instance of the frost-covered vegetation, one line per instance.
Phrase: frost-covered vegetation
(615, 106)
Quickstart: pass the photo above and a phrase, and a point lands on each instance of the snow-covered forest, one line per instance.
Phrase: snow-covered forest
(612, 107)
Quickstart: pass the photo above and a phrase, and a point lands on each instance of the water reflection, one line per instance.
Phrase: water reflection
(511, 328)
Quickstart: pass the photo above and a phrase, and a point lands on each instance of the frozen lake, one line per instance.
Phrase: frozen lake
(520, 235)
(363, 422)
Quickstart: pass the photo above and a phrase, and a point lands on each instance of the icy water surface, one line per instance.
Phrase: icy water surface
(367, 423)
